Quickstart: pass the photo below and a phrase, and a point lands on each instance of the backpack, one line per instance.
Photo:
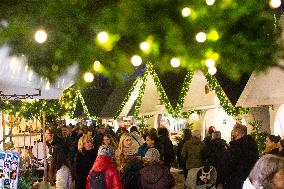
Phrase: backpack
(98, 180)
(206, 177)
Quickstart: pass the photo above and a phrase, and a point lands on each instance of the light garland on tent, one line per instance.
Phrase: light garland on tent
(85, 108)
(125, 100)
(224, 102)
(183, 93)
(74, 105)
(162, 93)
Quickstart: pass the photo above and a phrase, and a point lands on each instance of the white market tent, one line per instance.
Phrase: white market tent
(200, 96)
(267, 89)
(196, 97)
(17, 78)
(152, 95)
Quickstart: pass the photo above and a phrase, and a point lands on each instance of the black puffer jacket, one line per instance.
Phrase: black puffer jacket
(131, 177)
(156, 177)
(166, 149)
(83, 164)
(242, 155)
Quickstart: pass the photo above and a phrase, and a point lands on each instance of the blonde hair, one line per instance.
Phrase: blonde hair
(120, 159)
(196, 133)
(84, 139)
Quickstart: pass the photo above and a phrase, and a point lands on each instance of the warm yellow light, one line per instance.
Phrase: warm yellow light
(201, 37)
(40, 36)
(210, 63)
(212, 70)
(175, 62)
(97, 65)
(186, 11)
(144, 46)
(275, 3)
(103, 37)
(136, 60)
(210, 2)
(88, 77)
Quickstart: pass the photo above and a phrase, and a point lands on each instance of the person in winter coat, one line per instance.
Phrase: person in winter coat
(151, 142)
(215, 154)
(104, 163)
(154, 175)
(242, 155)
(165, 147)
(137, 138)
(125, 151)
(267, 173)
(84, 160)
(186, 136)
(208, 138)
(131, 177)
(192, 151)
(61, 170)
(272, 144)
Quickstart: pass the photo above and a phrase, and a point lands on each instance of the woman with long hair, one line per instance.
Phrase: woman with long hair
(61, 171)
(108, 140)
(84, 160)
(125, 150)
(271, 144)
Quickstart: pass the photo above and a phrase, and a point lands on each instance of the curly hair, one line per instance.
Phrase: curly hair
(83, 139)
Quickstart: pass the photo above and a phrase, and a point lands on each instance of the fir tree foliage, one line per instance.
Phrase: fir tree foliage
(241, 35)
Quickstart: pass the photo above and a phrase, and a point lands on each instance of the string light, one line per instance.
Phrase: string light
(144, 46)
(210, 2)
(40, 36)
(136, 60)
(175, 62)
(210, 63)
(212, 70)
(186, 11)
(224, 102)
(150, 71)
(88, 77)
(200, 37)
(97, 65)
(275, 3)
(103, 37)
(126, 98)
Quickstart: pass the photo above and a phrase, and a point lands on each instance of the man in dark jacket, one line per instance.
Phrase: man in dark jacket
(242, 155)
(215, 154)
(165, 147)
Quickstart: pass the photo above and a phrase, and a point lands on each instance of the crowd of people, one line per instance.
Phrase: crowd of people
(97, 157)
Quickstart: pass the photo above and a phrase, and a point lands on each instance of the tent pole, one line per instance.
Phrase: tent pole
(44, 147)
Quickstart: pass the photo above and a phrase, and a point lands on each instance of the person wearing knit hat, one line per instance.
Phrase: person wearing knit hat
(154, 174)
(152, 155)
(104, 164)
(106, 150)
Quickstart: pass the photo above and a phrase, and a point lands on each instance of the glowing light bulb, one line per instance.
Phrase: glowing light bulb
(210, 63)
(102, 37)
(88, 77)
(275, 3)
(212, 70)
(136, 60)
(210, 2)
(201, 37)
(40, 36)
(175, 62)
(144, 46)
(186, 11)
(97, 65)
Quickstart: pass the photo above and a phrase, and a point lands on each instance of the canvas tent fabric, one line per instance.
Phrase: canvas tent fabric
(266, 88)
(17, 78)
(119, 103)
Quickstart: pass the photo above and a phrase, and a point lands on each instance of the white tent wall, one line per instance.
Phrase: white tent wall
(277, 119)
